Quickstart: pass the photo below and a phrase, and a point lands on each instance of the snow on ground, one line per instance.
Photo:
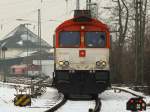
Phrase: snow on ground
(145, 97)
(111, 102)
(11, 84)
(116, 102)
(77, 106)
(38, 105)
(132, 91)
(50, 97)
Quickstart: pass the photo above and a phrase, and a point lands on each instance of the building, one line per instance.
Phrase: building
(22, 47)
(24, 70)
(21, 40)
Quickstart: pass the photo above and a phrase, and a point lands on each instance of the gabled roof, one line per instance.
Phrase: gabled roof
(18, 38)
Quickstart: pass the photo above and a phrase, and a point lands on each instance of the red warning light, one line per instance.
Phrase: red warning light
(143, 105)
(136, 104)
(140, 101)
(131, 101)
(82, 53)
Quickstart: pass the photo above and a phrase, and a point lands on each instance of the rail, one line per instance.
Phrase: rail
(98, 105)
(127, 91)
(57, 106)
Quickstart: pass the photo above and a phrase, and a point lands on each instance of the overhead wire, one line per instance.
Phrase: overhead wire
(12, 18)
(7, 5)
(12, 3)
(53, 4)
(9, 20)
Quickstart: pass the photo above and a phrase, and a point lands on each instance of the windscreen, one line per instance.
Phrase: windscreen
(95, 39)
(69, 39)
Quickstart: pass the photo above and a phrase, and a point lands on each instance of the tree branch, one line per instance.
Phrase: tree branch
(120, 18)
(127, 18)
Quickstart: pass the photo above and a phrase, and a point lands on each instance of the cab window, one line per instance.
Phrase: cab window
(69, 39)
(95, 39)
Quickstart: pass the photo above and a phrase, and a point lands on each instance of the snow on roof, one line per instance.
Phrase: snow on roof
(19, 38)
(19, 66)
(24, 54)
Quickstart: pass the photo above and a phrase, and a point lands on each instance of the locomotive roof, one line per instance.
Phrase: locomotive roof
(90, 21)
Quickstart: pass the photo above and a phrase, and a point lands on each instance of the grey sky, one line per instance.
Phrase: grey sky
(10, 10)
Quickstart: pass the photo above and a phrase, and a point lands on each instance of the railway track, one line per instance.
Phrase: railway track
(136, 94)
(58, 105)
(98, 105)
(96, 108)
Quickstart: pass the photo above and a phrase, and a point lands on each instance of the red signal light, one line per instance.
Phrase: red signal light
(140, 101)
(82, 53)
(131, 101)
(143, 105)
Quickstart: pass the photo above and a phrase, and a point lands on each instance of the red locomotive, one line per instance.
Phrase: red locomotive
(82, 55)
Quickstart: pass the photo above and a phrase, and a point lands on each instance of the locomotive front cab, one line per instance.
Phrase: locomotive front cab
(82, 57)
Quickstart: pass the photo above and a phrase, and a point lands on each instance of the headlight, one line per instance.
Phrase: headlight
(98, 63)
(66, 63)
(101, 64)
(61, 63)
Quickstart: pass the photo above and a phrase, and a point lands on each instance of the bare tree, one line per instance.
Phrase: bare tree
(123, 46)
(123, 18)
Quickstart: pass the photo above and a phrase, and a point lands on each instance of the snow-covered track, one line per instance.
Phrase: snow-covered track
(57, 106)
(96, 102)
(136, 94)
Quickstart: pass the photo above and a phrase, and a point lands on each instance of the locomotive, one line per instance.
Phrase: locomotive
(81, 55)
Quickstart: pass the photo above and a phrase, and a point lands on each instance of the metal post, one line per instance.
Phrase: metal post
(27, 46)
(0, 53)
(78, 5)
(93, 7)
(66, 6)
(87, 4)
(136, 41)
(139, 43)
(39, 36)
(27, 50)
(4, 49)
(4, 67)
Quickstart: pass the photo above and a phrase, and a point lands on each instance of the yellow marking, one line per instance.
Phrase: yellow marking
(25, 102)
(20, 100)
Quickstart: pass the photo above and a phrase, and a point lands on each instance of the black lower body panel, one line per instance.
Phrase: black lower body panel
(81, 82)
